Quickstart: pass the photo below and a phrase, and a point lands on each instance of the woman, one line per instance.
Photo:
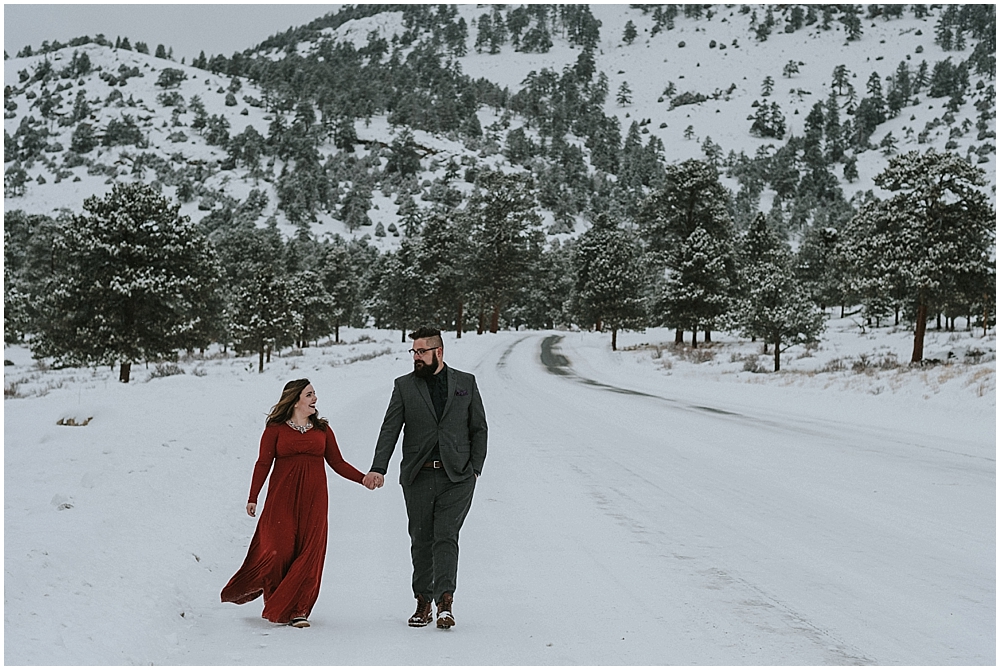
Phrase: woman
(285, 559)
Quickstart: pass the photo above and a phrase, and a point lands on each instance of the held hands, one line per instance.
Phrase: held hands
(252, 509)
(373, 480)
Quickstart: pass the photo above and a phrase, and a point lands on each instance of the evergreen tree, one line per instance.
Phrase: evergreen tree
(851, 169)
(316, 308)
(83, 139)
(502, 218)
(132, 283)
(772, 304)
(442, 260)
(875, 96)
(341, 279)
(691, 197)
(819, 266)
(260, 317)
(608, 278)
(624, 96)
(696, 293)
(404, 158)
(398, 290)
(171, 77)
(832, 129)
(841, 78)
(931, 240)
(767, 87)
(630, 33)
(852, 22)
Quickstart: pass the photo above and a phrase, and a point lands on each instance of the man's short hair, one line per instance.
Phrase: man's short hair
(428, 333)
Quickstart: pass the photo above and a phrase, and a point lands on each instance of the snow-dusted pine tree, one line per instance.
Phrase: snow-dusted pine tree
(696, 292)
(773, 305)
(608, 278)
(691, 197)
(502, 216)
(260, 316)
(341, 279)
(442, 260)
(932, 240)
(132, 282)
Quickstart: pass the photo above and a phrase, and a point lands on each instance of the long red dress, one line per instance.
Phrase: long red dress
(285, 559)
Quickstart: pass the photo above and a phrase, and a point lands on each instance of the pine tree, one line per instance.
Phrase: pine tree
(608, 278)
(398, 288)
(820, 266)
(442, 259)
(852, 22)
(502, 217)
(841, 78)
(624, 96)
(130, 285)
(260, 317)
(767, 87)
(691, 197)
(630, 33)
(696, 293)
(772, 304)
(404, 158)
(930, 241)
(851, 169)
(341, 279)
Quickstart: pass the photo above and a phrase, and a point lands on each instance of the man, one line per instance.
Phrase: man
(444, 447)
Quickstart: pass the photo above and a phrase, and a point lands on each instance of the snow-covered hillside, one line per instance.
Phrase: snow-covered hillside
(720, 58)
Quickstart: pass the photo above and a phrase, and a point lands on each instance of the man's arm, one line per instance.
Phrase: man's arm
(392, 424)
(477, 430)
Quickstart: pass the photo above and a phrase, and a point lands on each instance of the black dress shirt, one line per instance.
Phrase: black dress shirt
(437, 385)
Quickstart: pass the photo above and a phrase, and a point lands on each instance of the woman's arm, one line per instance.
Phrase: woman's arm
(336, 459)
(268, 446)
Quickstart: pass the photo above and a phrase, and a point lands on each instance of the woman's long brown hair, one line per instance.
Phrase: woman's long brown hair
(282, 410)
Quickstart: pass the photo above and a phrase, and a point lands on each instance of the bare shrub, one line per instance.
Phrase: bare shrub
(165, 370)
(702, 354)
(834, 365)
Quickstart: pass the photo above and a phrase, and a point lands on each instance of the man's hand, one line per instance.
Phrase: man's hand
(252, 509)
(373, 480)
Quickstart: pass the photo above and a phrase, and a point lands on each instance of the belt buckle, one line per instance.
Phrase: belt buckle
(436, 465)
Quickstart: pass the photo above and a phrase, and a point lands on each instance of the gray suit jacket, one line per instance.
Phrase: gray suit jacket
(460, 434)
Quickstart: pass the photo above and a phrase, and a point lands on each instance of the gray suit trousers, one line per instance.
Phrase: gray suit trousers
(436, 508)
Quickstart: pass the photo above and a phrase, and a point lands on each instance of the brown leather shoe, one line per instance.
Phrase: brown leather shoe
(445, 618)
(423, 615)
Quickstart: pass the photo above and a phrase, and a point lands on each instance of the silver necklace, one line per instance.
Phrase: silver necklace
(301, 429)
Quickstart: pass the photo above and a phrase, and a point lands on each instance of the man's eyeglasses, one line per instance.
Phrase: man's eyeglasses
(421, 352)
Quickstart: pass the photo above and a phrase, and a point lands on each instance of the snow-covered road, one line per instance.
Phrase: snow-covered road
(624, 517)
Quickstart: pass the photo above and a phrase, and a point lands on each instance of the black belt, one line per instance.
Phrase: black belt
(434, 464)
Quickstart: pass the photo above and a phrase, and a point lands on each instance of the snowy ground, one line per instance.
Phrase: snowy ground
(636, 507)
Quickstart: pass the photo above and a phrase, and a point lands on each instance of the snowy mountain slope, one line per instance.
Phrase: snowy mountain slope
(648, 66)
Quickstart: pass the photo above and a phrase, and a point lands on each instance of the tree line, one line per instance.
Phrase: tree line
(131, 279)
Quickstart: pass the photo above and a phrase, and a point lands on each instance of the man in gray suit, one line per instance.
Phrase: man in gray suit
(444, 447)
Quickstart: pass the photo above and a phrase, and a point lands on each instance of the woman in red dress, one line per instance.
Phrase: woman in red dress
(286, 555)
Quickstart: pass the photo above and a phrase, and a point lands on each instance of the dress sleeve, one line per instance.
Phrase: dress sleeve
(268, 446)
(336, 460)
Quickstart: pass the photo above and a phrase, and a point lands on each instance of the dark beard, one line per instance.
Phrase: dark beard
(425, 371)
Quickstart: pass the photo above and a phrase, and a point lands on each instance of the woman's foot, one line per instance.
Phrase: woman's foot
(299, 622)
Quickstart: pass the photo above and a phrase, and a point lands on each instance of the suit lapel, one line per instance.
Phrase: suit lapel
(426, 395)
(452, 383)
